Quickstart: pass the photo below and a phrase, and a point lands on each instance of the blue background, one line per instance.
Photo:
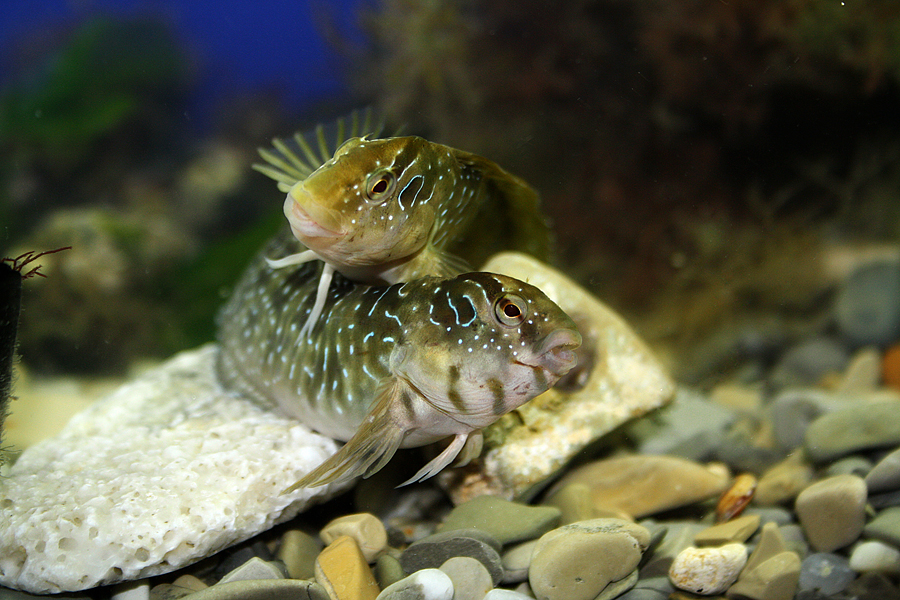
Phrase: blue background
(236, 45)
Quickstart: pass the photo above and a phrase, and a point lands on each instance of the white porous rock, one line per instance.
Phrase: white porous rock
(163, 472)
(529, 445)
(708, 571)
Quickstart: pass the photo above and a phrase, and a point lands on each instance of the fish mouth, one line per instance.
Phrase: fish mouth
(308, 219)
(556, 352)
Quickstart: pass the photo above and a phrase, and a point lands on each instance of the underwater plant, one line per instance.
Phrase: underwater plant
(107, 74)
(12, 273)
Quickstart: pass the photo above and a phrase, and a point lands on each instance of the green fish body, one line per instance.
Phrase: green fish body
(384, 211)
(388, 367)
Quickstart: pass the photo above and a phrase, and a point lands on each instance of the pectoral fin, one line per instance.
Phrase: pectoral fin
(292, 259)
(321, 296)
(432, 261)
(373, 444)
(462, 445)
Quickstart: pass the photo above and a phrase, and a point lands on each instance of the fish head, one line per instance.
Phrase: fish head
(368, 204)
(492, 343)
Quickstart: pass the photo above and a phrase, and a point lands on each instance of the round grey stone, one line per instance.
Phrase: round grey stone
(810, 360)
(867, 307)
(433, 551)
(826, 572)
(792, 411)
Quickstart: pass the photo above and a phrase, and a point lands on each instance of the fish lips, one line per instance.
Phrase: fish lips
(556, 352)
(309, 219)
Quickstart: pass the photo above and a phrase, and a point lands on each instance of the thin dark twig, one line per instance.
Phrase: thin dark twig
(18, 263)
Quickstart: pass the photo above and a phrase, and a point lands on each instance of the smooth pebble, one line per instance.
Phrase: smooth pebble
(298, 552)
(643, 485)
(829, 573)
(263, 589)
(516, 561)
(436, 549)
(163, 591)
(366, 529)
(507, 521)
(832, 511)
(875, 556)
(793, 410)
(735, 530)
(885, 526)
(426, 584)
(471, 581)
(577, 561)
(867, 306)
(388, 570)
(344, 572)
(885, 475)
(862, 426)
(255, 568)
(708, 570)
(863, 374)
(773, 579)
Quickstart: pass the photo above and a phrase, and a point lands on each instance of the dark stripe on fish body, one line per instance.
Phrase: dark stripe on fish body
(539, 377)
(496, 387)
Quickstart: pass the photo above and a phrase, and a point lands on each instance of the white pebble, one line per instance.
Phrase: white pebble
(875, 556)
(708, 570)
(427, 584)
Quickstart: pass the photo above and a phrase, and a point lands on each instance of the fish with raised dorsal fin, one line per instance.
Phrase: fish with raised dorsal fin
(384, 211)
(391, 367)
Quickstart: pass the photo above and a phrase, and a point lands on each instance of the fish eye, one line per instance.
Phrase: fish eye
(380, 186)
(510, 310)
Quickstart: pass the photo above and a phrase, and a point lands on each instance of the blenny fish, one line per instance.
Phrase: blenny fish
(388, 367)
(383, 211)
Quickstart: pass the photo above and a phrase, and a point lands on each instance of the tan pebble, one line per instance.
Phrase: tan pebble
(863, 374)
(576, 504)
(643, 485)
(736, 530)
(737, 397)
(775, 578)
(565, 565)
(708, 571)
(367, 530)
(770, 543)
(782, 482)
(832, 512)
(190, 582)
(298, 552)
(344, 572)
(736, 498)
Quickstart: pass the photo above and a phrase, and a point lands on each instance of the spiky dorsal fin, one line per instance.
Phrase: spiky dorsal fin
(292, 160)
